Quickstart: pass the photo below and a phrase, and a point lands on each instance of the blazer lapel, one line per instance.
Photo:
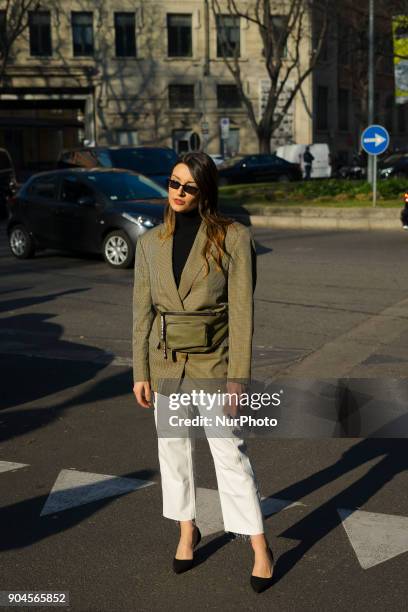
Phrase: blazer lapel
(191, 268)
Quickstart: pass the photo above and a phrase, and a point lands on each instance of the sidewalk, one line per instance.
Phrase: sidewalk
(309, 217)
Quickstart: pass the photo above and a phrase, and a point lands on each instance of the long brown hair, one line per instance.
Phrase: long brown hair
(205, 173)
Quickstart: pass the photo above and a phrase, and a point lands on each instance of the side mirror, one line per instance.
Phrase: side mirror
(86, 201)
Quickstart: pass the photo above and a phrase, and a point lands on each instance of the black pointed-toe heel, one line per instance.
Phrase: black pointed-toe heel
(261, 584)
(183, 565)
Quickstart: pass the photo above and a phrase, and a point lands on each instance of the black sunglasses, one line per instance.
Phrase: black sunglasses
(187, 188)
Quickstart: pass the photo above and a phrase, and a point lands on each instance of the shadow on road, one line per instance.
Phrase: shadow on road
(21, 524)
(321, 521)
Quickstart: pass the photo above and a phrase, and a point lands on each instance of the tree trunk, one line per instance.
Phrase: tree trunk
(264, 142)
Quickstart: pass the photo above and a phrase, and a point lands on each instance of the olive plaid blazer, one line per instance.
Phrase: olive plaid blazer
(154, 284)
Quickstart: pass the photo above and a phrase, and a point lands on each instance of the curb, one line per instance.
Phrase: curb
(321, 218)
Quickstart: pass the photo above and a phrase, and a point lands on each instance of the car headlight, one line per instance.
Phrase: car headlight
(141, 220)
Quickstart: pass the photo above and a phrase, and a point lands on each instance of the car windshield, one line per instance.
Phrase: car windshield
(122, 186)
(392, 159)
(146, 161)
(232, 161)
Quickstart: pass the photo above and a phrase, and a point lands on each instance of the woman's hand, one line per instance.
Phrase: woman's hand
(143, 393)
(232, 407)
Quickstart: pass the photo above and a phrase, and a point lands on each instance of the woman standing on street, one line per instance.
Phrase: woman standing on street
(202, 266)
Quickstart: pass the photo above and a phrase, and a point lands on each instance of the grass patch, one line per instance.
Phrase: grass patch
(329, 192)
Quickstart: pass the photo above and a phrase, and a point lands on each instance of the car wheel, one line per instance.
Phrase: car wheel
(283, 178)
(20, 242)
(222, 182)
(118, 249)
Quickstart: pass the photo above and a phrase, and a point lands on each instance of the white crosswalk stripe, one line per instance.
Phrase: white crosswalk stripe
(7, 466)
(374, 537)
(73, 488)
(209, 515)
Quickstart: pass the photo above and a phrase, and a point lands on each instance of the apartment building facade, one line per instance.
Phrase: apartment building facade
(122, 72)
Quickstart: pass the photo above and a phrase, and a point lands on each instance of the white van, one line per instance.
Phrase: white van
(321, 166)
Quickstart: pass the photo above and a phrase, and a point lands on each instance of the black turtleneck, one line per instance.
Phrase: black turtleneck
(187, 224)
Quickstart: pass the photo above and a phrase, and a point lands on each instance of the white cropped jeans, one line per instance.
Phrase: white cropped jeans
(237, 486)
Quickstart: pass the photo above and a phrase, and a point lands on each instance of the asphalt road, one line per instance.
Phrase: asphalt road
(80, 482)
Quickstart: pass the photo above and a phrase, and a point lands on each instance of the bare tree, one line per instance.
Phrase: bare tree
(14, 19)
(283, 27)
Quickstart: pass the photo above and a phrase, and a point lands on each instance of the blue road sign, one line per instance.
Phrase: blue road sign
(375, 139)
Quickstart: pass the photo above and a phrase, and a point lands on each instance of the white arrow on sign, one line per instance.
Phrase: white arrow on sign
(378, 139)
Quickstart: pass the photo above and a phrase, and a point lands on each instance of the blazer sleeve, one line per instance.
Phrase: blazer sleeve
(143, 316)
(241, 286)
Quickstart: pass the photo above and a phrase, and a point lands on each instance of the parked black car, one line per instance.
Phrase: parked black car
(258, 168)
(99, 211)
(7, 181)
(395, 165)
(154, 162)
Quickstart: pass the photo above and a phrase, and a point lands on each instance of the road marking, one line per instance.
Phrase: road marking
(6, 466)
(375, 537)
(273, 505)
(337, 357)
(73, 488)
(209, 514)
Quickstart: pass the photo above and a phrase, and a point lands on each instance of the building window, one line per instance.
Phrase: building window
(343, 43)
(324, 50)
(322, 107)
(280, 30)
(228, 36)
(82, 33)
(232, 143)
(125, 35)
(179, 35)
(40, 33)
(343, 109)
(2, 24)
(228, 96)
(181, 96)
(127, 137)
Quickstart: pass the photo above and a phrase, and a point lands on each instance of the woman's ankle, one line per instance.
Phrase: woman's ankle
(187, 527)
(259, 543)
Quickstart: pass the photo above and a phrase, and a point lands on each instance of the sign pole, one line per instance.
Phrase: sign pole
(374, 140)
(370, 168)
(374, 179)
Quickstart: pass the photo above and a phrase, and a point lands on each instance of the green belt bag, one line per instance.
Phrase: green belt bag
(197, 331)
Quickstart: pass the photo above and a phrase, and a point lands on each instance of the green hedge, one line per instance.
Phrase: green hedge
(389, 188)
